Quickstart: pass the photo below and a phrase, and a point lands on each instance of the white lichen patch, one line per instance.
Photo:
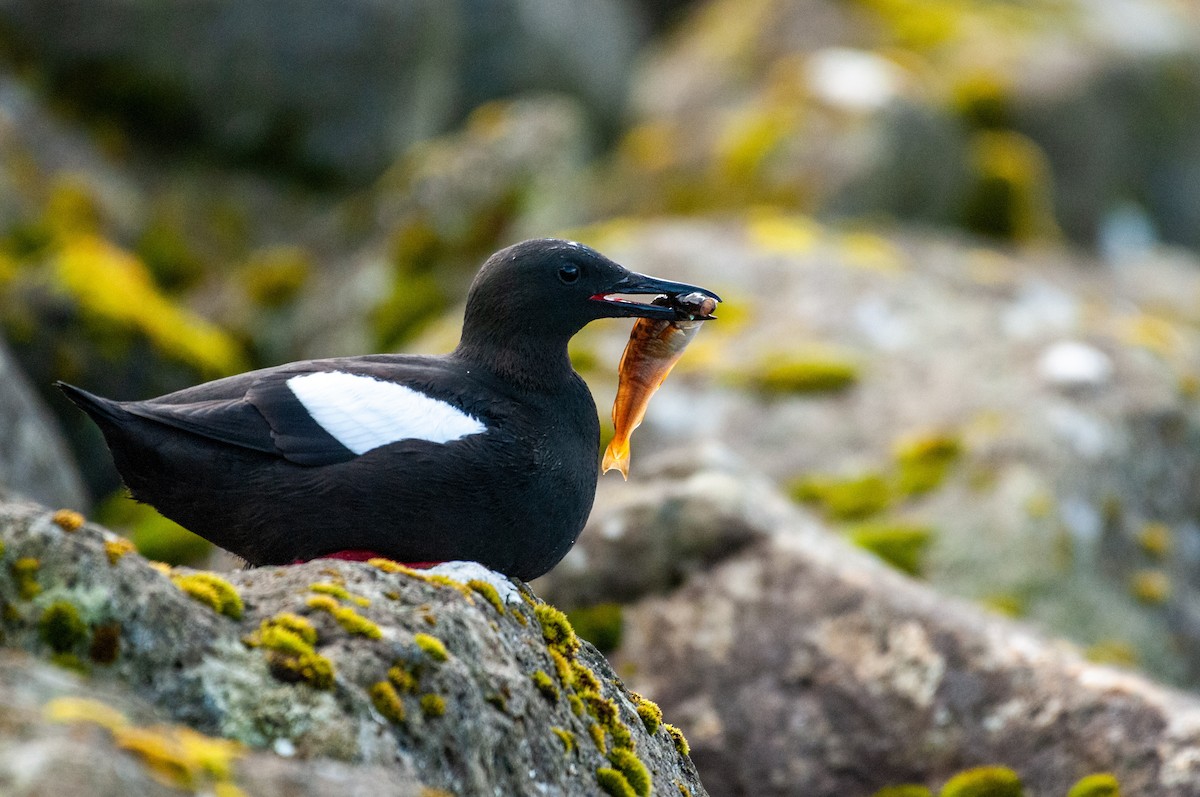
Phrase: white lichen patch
(469, 571)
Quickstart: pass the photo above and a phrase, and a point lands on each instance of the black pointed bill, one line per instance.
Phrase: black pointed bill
(616, 305)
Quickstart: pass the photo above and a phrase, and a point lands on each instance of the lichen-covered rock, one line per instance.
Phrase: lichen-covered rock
(473, 688)
(805, 667)
(34, 460)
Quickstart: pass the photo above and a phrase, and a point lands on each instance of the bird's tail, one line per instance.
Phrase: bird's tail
(100, 409)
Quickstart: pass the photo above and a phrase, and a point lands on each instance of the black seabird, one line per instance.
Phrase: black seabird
(488, 454)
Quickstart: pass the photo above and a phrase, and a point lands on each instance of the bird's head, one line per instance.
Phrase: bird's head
(549, 288)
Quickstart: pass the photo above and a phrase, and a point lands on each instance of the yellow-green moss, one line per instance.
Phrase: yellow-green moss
(562, 667)
(613, 783)
(557, 630)
(1152, 587)
(681, 742)
(1155, 539)
(213, 591)
(576, 704)
(983, 100)
(814, 374)
(67, 519)
(598, 737)
(69, 661)
(118, 549)
(24, 573)
(984, 782)
(684, 791)
(903, 546)
(387, 702)
(649, 712)
(488, 592)
(432, 646)
(923, 461)
(275, 277)
(1098, 785)
(1010, 196)
(635, 772)
(907, 790)
(311, 668)
(433, 705)
(545, 685)
(583, 678)
(567, 738)
(852, 498)
(351, 621)
(622, 737)
(106, 643)
(1006, 604)
(402, 679)
(601, 624)
(61, 627)
(600, 707)
(339, 592)
(1115, 652)
(300, 626)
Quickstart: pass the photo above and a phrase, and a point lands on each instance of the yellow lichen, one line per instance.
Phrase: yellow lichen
(67, 519)
(387, 701)
(566, 737)
(24, 573)
(557, 630)
(118, 548)
(433, 647)
(545, 685)
(339, 592)
(488, 592)
(681, 742)
(82, 709)
(432, 705)
(213, 591)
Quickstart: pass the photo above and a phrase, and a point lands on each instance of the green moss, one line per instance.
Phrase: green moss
(1115, 652)
(924, 461)
(903, 791)
(339, 592)
(289, 640)
(545, 685)
(600, 707)
(69, 661)
(567, 738)
(681, 742)
(901, 545)
(1099, 785)
(213, 591)
(852, 498)
(387, 702)
(601, 624)
(557, 630)
(984, 101)
(432, 646)
(622, 737)
(613, 783)
(433, 705)
(402, 679)
(583, 678)
(576, 704)
(61, 628)
(1155, 540)
(106, 643)
(355, 623)
(24, 572)
(488, 592)
(562, 667)
(117, 549)
(1006, 604)
(649, 712)
(300, 626)
(633, 769)
(785, 374)
(984, 782)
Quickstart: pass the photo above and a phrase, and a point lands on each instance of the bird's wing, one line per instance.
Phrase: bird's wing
(321, 413)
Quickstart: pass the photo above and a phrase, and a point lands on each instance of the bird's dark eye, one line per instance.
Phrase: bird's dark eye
(569, 274)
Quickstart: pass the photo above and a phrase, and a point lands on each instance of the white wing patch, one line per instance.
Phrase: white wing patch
(363, 413)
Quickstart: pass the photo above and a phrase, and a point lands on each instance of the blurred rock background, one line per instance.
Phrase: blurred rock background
(957, 242)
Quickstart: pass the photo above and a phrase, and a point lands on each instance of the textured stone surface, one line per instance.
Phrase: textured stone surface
(474, 720)
(805, 667)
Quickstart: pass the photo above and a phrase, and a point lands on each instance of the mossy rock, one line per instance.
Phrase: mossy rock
(851, 498)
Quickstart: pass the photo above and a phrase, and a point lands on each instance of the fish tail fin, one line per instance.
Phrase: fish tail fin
(617, 456)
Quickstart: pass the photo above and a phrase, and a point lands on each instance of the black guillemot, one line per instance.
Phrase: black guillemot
(487, 454)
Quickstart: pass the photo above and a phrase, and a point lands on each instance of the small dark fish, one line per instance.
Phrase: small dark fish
(653, 349)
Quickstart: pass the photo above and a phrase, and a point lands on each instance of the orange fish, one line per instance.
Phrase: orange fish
(653, 349)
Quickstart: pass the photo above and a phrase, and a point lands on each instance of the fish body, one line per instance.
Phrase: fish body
(654, 347)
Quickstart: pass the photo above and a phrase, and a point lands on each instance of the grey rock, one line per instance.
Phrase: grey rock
(474, 721)
(34, 460)
(805, 667)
